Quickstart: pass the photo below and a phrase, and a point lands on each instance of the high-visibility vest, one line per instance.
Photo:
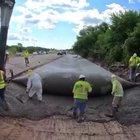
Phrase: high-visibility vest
(26, 54)
(81, 89)
(2, 82)
(134, 61)
(117, 88)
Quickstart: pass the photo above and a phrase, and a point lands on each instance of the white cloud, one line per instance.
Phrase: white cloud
(25, 30)
(22, 35)
(112, 8)
(134, 1)
(35, 4)
(13, 36)
(48, 18)
(45, 14)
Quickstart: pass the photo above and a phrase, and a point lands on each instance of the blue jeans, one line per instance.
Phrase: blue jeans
(132, 75)
(2, 96)
(79, 105)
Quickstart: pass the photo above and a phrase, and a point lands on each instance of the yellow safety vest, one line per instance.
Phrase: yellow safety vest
(81, 89)
(134, 61)
(117, 88)
(2, 82)
(26, 54)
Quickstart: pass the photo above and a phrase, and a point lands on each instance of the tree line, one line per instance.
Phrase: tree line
(13, 49)
(114, 42)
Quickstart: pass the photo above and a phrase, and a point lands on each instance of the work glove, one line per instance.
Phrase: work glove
(27, 90)
(138, 64)
(112, 93)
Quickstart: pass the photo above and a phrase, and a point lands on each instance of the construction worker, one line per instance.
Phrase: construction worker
(80, 90)
(133, 64)
(6, 56)
(34, 85)
(26, 57)
(6, 61)
(117, 92)
(3, 103)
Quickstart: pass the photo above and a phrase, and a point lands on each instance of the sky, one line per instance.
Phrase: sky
(56, 23)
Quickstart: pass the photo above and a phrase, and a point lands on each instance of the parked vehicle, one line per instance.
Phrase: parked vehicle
(61, 53)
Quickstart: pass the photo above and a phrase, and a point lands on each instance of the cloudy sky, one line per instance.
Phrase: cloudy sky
(55, 23)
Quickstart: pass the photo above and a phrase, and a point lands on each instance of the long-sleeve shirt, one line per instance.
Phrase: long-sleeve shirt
(134, 61)
(2, 81)
(25, 54)
(117, 88)
(34, 81)
(81, 89)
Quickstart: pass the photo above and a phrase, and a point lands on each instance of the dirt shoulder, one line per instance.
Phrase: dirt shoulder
(63, 128)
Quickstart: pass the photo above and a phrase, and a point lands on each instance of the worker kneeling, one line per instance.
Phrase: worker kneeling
(34, 85)
(80, 90)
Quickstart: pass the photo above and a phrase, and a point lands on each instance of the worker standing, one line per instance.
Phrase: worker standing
(2, 91)
(80, 90)
(6, 57)
(117, 92)
(34, 85)
(133, 63)
(26, 57)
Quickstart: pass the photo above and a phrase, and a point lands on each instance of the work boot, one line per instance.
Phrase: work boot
(114, 111)
(81, 119)
(75, 116)
(109, 115)
(41, 101)
(5, 106)
(29, 99)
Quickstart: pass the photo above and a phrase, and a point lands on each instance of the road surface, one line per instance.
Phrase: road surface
(50, 120)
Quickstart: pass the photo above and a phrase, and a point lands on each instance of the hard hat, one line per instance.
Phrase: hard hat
(29, 72)
(135, 55)
(7, 52)
(82, 76)
(113, 76)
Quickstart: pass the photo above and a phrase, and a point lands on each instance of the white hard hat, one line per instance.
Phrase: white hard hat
(113, 76)
(82, 76)
(7, 52)
(134, 54)
(29, 72)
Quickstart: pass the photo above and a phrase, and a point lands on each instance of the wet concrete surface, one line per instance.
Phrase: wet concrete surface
(130, 109)
(59, 76)
(97, 107)
(52, 105)
(55, 104)
(50, 120)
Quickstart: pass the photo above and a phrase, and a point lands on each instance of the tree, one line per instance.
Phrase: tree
(111, 42)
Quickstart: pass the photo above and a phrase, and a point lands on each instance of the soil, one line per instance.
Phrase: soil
(117, 68)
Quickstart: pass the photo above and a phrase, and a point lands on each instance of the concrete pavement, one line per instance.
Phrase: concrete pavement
(18, 66)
